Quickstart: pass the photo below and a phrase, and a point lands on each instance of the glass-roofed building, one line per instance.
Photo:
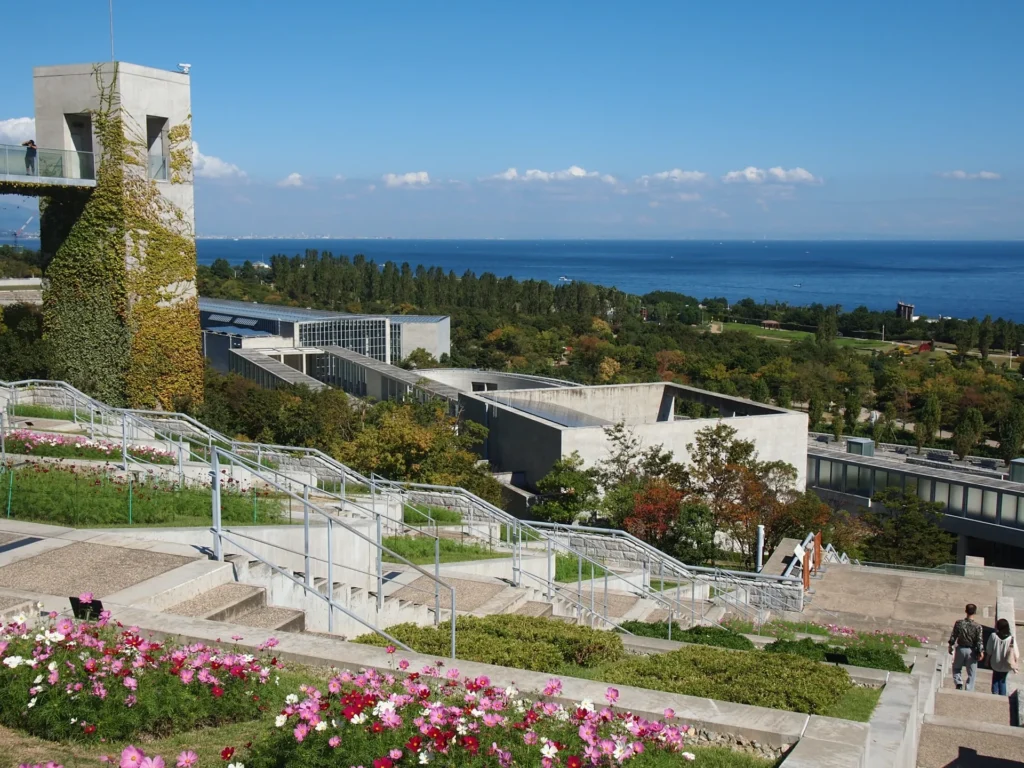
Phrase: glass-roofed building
(390, 339)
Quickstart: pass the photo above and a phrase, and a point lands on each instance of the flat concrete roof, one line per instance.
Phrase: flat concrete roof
(299, 314)
(276, 368)
(412, 378)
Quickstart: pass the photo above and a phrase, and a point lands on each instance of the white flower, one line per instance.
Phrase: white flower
(688, 756)
(476, 712)
(280, 720)
(14, 661)
(291, 698)
(358, 719)
(236, 765)
(52, 666)
(549, 750)
(321, 726)
(32, 702)
(511, 692)
(587, 705)
(20, 619)
(74, 720)
(424, 757)
(461, 730)
(38, 680)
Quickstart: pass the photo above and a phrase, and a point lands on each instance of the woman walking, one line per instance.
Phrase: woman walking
(1003, 656)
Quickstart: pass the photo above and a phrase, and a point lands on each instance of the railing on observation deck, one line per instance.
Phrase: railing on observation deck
(16, 160)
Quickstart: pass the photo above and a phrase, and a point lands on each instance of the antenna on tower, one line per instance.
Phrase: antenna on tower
(110, 6)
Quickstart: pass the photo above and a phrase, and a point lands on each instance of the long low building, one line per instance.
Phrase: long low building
(229, 325)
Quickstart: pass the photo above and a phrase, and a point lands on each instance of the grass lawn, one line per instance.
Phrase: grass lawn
(857, 704)
(418, 515)
(420, 550)
(567, 569)
(43, 412)
(791, 336)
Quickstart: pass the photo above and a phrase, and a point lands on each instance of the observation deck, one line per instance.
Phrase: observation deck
(23, 173)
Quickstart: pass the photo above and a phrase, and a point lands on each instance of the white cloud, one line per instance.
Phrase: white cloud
(292, 180)
(411, 179)
(15, 130)
(339, 177)
(210, 167)
(687, 197)
(754, 175)
(750, 174)
(793, 176)
(965, 176)
(570, 173)
(676, 174)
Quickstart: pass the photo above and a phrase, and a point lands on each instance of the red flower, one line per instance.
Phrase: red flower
(89, 729)
(573, 762)
(414, 744)
(383, 762)
(217, 691)
(227, 753)
(471, 743)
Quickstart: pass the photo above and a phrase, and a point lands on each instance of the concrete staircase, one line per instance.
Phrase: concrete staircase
(241, 604)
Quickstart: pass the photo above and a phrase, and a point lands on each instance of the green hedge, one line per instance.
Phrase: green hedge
(778, 681)
(716, 636)
(524, 642)
(857, 656)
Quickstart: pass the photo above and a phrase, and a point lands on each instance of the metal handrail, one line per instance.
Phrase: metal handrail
(309, 507)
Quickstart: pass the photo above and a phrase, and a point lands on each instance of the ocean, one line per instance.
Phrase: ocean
(957, 279)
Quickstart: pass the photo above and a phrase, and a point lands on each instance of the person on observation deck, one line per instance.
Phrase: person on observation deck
(965, 642)
(31, 150)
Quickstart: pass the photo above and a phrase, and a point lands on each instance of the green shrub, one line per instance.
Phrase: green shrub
(855, 655)
(717, 636)
(765, 680)
(44, 412)
(524, 642)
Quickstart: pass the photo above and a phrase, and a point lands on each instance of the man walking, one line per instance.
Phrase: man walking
(965, 643)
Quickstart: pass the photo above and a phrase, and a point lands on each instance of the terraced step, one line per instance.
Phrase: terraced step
(536, 608)
(223, 603)
(273, 617)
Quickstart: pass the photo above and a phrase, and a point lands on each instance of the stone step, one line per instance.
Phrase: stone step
(275, 618)
(536, 608)
(222, 603)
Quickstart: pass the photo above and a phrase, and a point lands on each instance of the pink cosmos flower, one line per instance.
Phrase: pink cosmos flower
(553, 688)
(301, 731)
(187, 759)
(85, 598)
(612, 695)
(152, 762)
(131, 757)
(334, 742)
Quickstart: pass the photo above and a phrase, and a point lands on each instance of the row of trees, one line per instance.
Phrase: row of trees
(721, 496)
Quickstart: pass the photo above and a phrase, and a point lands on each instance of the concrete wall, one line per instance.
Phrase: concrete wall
(516, 442)
(779, 436)
(433, 337)
(463, 378)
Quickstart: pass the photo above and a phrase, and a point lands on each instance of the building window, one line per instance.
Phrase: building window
(157, 142)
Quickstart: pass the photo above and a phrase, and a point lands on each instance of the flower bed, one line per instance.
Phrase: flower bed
(545, 645)
(93, 496)
(788, 630)
(24, 441)
(102, 682)
(101, 686)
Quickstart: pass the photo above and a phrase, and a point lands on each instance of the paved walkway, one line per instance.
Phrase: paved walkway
(469, 595)
(82, 567)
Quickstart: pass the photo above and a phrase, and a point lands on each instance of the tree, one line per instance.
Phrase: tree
(985, 336)
(815, 409)
(965, 336)
(691, 538)
(907, 532)
(827, 328)
(838, 422)
(222, 269)
(566, 491)
(759, 391)
(655, 512)
(419, 358)
(968, 432)
(716, 458)
(928, 419)
(763, 494)
(1011, 433)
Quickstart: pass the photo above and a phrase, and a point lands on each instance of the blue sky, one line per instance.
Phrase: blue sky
(780, 119)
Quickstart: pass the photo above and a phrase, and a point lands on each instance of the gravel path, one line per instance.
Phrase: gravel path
(214, 599)
(83, 567)
(266, 618)
(469, 595)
